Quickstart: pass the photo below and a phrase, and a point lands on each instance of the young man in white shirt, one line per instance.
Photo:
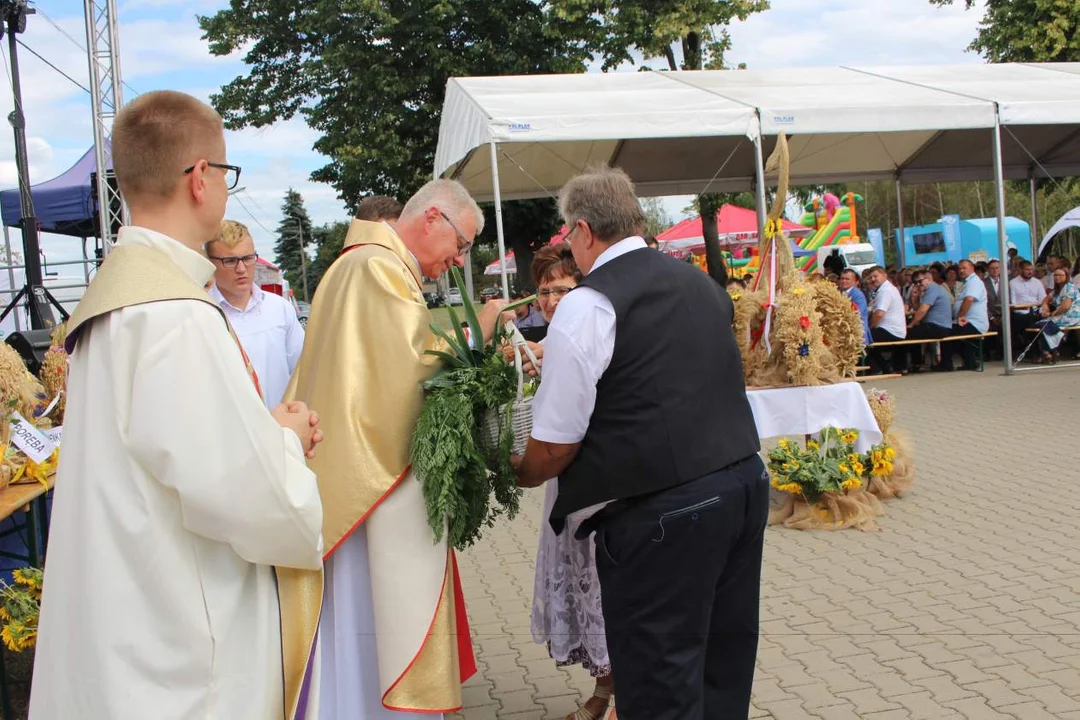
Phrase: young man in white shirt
(1026, 294)
(266, 324)
(888, 322)
(179, 497)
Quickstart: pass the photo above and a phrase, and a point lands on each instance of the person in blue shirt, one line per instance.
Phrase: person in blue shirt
(972, 317)
(849, 285)
(933, 315)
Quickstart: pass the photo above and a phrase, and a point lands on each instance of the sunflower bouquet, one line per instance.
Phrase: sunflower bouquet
(19, 607)
(828, 464)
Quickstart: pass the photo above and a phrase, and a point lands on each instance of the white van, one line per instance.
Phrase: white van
(857, 256)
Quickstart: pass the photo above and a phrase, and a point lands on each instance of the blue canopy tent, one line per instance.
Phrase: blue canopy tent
(64, 205)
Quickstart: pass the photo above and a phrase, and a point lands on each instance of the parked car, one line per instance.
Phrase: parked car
(434, 300)
(489, 293)
(303, 311)
(453, 297)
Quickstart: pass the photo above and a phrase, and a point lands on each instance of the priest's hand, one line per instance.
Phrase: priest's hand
(491, 313)
(303, 422)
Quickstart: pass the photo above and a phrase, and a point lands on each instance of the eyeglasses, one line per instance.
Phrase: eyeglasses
(566, 237)
(557, 292)
(230, 262)
(232, 173)
(464, 243)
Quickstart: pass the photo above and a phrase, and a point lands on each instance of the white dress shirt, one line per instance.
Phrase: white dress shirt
(577, 351)
(1026, 292)
(271, 335)
(888, 300)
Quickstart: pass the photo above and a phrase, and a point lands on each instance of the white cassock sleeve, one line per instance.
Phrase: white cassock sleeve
(199, 427)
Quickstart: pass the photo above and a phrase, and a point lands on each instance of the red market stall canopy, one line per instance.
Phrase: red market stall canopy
(511, 263)
(734, 224)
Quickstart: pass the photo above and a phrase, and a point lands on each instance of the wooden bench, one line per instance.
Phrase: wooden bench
(948, 338)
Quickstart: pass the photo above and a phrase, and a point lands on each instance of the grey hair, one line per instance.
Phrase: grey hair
(449, 196)
(603, 197)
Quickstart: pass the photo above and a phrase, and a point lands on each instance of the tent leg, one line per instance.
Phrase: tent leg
(86, 262)
(1034, 220)
(11, 276)
(499, 220)
(1003, 249)
(759, 186)
(900, 225)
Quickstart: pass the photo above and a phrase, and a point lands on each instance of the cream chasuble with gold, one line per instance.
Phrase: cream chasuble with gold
(394, 638)
(177, 493)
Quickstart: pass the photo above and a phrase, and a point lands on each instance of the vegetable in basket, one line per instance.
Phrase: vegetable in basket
(460, 466)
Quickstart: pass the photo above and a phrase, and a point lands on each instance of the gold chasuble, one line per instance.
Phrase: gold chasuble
(362, 369)
(136, 275)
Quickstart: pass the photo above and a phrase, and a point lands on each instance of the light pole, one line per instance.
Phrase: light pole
(303, 255)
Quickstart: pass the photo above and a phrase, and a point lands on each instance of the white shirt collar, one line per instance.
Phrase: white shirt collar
(256, 298)
(196, 265)
(624, 246)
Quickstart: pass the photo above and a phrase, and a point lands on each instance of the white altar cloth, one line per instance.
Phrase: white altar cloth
(780, 412)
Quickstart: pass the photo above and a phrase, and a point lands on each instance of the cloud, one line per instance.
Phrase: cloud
(795, 33)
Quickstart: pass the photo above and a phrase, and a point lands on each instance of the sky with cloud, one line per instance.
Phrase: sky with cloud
(161, 47)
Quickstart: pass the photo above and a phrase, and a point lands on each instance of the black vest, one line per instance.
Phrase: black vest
(671, 406)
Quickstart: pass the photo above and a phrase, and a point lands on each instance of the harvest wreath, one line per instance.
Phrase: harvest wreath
(476, 413)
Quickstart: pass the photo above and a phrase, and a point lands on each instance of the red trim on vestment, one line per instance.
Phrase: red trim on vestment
(451, 567)
(366, 515)
(466, 659)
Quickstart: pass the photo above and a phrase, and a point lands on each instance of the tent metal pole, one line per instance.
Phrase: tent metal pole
(1034, 220)
(11, 275)
(1003, 248)
(900, 225)
(759, 186)
(499, 220)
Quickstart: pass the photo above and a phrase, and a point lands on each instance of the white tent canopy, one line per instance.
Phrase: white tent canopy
(1070, 219)
(673, 131)
(691, 132)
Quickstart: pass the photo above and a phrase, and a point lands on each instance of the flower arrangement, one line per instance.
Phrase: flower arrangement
(21, 392)
(20, 605)
(459, 468)
(828, 465)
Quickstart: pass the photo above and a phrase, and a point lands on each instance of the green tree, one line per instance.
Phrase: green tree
(687, 34)
(1027, 30)
(528, 226)
(370, 77)
(328, 241)
(656, 215)
(287, 246)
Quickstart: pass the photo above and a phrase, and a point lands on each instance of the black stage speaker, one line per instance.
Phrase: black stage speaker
(31, 346)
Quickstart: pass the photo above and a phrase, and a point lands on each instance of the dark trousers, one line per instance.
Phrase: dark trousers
(885, 360)
(1021, 321)
(924, 331)
(680, 577)
(968, 347)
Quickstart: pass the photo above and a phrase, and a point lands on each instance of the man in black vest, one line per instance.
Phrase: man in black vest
(642, 415)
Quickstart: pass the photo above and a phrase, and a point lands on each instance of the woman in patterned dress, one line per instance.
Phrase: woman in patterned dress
(566, 612)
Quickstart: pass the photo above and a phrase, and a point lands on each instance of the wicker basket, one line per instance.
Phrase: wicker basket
(520, 410)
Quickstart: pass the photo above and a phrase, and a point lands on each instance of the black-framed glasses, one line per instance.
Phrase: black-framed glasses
(566, 237)
(555, 291)
(232, 173)
(464, 243)
(231, 262)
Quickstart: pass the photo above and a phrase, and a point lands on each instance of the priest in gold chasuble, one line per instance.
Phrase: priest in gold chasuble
(394, 638)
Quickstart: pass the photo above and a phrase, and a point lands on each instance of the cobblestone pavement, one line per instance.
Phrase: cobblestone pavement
(966, 604)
